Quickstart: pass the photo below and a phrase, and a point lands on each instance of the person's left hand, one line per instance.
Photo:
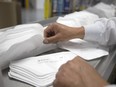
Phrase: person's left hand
(78, 73)
(56, 32)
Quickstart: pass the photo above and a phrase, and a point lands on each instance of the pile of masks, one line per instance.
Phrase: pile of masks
(39, 71)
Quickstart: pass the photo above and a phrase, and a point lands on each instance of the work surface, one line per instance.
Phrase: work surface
(103, 65)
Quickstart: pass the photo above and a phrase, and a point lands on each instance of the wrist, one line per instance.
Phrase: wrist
(79, 32)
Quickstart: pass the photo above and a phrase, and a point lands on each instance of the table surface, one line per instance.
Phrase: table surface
(103, 65)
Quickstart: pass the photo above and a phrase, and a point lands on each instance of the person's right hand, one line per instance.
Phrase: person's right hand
(56, 32)
(78, 73)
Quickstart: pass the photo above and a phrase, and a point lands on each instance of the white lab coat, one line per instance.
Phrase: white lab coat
(102, 31)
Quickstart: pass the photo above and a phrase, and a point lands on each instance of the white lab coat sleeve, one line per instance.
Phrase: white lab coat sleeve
(111, 86)
(102, 31)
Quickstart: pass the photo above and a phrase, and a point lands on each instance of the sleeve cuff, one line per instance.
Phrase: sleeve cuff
(93, 32)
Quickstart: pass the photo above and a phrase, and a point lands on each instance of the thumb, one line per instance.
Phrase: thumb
(52, 39)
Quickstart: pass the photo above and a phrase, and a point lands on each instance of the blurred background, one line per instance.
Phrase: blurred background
(13, 12)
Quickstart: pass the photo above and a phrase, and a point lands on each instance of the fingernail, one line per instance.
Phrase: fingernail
(45, 41)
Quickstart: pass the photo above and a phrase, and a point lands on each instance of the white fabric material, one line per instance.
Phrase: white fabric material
(69, 21)
(39, 71)
(22, 41)
(102, 31)
(85, 48)
(108, 10)
(111, 86)
(77, 19)
(17, 35)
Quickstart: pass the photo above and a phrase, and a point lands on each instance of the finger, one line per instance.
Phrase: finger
(47, 30)
(52, 39)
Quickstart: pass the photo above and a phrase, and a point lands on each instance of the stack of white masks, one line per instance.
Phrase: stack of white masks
(39, 71)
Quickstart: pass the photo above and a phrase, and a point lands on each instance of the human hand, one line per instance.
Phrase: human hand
(57, 32)
(78, 73)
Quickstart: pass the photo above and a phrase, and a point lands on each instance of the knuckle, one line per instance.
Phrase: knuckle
(45, 30)
(69, 63)
(55, 23)
(76, 59)
(62, 66)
